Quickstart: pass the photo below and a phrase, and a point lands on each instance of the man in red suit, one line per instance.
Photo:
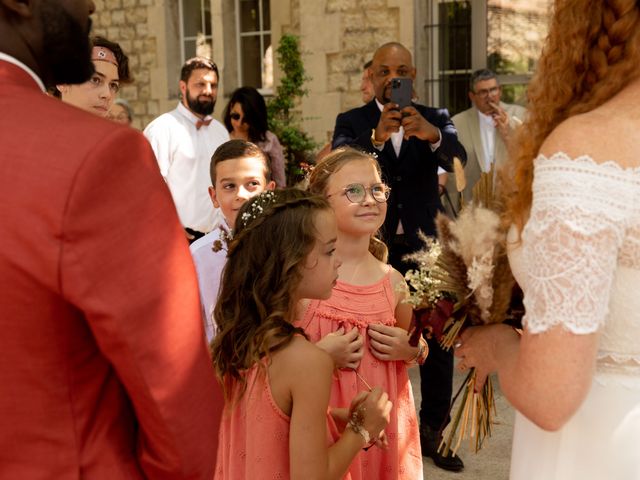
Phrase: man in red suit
(104, 371)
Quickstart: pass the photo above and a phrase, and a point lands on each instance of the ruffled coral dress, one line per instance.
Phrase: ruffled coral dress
(352, 306)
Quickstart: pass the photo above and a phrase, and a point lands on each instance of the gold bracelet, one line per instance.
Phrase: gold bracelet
(421, 355)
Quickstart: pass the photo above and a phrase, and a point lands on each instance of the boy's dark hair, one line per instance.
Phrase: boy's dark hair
(238, 149)
(194, 64)
(254, 109)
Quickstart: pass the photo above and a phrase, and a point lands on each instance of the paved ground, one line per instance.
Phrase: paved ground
(490, 463)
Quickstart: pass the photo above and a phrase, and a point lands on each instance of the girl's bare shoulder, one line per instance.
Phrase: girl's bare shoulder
(301, 356)
(397, 279)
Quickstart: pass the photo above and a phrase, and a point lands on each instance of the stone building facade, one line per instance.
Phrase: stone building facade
(128, 23)
(336, 36)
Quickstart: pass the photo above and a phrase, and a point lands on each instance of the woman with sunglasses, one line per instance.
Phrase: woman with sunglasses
(246, 119)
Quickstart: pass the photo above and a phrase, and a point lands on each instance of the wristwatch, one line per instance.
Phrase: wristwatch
(374, 142)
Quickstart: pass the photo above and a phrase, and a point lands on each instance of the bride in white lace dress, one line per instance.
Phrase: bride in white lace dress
(574, 374)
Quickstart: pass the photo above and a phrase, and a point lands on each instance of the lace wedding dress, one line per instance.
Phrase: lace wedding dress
(590, 284)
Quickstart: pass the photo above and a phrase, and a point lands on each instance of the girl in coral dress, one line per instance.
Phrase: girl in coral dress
(277, 383)
(368, 298)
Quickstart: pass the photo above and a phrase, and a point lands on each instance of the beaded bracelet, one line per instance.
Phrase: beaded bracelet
(356, 423)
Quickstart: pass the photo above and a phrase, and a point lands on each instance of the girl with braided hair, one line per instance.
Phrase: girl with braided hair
(276, 382)
(574, 210)
(367, 304)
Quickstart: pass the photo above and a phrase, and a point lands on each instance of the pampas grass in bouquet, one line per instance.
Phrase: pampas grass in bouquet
(463, 279)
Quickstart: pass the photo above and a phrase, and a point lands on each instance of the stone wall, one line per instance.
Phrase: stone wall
(126, 22)
(337, 37)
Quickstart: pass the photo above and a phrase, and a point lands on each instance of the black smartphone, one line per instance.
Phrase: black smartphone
(401, 91)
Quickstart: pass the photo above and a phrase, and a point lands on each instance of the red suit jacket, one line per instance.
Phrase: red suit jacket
(104, 371)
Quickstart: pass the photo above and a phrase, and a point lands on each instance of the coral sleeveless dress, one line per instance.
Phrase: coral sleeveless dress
(253, 440)
(352, 306)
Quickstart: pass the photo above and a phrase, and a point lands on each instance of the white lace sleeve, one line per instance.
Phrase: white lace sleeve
(571, 243)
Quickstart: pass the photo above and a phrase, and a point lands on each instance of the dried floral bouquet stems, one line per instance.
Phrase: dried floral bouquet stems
(463, 279)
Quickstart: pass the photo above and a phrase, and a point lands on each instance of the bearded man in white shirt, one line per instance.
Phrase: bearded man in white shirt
(484, 130)
(184, 140)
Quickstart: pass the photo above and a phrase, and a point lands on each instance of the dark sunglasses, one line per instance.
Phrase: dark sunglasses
(235, 116)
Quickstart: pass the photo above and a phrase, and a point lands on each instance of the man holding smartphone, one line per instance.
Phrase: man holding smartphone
(485, 130)
(410, 141)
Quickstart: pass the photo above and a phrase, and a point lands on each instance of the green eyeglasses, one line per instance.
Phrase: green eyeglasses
(356, 192)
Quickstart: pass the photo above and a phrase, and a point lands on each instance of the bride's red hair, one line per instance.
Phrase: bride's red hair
(590, 54)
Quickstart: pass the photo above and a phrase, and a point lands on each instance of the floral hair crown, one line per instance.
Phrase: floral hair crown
(257, 206)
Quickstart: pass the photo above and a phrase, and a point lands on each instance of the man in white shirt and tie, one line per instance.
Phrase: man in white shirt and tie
(484, 130)
(184, 140)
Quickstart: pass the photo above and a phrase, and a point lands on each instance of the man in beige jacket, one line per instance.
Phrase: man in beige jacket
(484, 130)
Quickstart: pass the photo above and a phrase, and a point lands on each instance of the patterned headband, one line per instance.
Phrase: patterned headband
(102, 54)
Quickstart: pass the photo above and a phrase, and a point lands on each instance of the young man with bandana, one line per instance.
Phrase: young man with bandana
(184, 141)
(98, 94)
(104, 369)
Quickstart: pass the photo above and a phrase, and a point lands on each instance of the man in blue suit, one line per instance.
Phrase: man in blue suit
(410, 144)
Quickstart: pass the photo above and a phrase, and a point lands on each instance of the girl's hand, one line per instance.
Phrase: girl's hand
(372, 410)
(346, 349)
(390, 343)
(476, 349)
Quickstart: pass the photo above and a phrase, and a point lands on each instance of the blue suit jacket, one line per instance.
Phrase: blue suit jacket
(413, 175)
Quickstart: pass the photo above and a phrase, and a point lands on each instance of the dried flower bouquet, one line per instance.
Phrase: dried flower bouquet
(462, 279)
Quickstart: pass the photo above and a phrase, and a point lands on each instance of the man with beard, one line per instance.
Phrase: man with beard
(184, 141)
(103, 366)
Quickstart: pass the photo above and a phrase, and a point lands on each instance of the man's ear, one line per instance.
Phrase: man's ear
(21, 8)
(183, 89)
(212, 194)
(270, 186)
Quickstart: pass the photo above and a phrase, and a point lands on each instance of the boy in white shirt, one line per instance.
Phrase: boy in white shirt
(239, 170)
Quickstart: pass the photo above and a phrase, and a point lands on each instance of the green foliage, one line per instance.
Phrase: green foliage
(512, 93)
(284, 120)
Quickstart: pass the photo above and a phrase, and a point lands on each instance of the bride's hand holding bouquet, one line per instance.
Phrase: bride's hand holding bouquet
(476, 348)
(463, 280)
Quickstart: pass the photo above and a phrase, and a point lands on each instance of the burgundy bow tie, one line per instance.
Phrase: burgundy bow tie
(200, 123)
